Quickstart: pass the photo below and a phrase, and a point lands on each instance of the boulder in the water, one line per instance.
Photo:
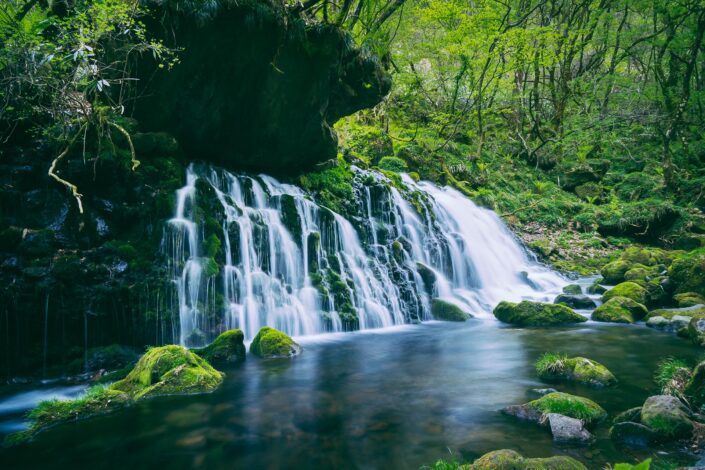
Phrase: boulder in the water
(667, 417)
(428, 277)
(620, 310)
(574, 369)
(575, 301)
(271, 343)
(689, 299)
(695, 389)
(567, 430)
(572, 289)
(442, 310)
(528, 313)
(613, 273)
(633, 434)
(563, 403)
(627, 289)
(507, 459)
(227, 347)
(596, 288)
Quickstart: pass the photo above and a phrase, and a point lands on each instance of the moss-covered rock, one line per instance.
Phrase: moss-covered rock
(169, 370)
(630, 290)
(620, 310)
(667, 416)
(640, 274)
(688, 272)
(428, 277)
(613, 273)
(561, 403)
(572, 289)
(695, 389)
(528, 313)
(596, 288)
(227, 347)
(689, 299)
(575, 301)
(271, 343)
(574, 369)
(442, 310)
(506, 459)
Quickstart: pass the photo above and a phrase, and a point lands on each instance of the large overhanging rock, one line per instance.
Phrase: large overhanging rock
(257, 87)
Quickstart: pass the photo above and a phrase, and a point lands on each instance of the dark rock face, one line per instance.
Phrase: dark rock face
(258, 87)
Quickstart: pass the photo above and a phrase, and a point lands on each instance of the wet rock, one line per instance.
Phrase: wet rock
(563, 403)
(427, 276)
(574, 369)
(528, 313)
(575, 301)
(667, 417)
(596, 289)
(630, 290)
(543, 391)
(572, 289)
(442, 310)
(506, 459)
(620, 310)
(227, 347)
(696, 330)
(613, 273)
(271, 343)
(689, 299)
(568, 430)
(632, 414)
(632, 434)
(525, 412)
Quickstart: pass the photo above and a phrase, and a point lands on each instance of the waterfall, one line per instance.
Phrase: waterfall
(248, 251)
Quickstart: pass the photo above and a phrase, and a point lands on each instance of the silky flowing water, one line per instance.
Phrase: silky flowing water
(392, 398)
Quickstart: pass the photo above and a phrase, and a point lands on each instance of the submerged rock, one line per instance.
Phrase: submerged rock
(442, 310)
(507, 459)
(575, 301)
(227, 347)
(633, 434)
(528, 313)
(628, 289)
(620, 310)
(271, 343)
(574, 369)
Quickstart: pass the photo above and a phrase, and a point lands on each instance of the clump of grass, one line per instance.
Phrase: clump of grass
(569, 405)
(672, 375)
(551, 364)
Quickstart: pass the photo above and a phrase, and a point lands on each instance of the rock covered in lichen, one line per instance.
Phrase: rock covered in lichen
(620, 310)
(442, 310)
(227, 347)
(271, 343)
(528, 313)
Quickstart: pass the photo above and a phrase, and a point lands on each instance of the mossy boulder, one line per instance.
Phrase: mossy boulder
(558, 402)
(572, 289)
(641, 274)
(689, 299)
(507, 459)
(695, 389)
(596, 288)
(442, 310)
(646, 256)
(271, 343)
(527, 313)
(574, 369)
(428, 277)
(227, 347)
(630, 290)
(666, 416)
(575, 301)
(613, 273)
(620, 310)
(169, 370)
(688, 273)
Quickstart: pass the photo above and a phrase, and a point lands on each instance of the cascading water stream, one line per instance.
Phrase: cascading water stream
(250, 251)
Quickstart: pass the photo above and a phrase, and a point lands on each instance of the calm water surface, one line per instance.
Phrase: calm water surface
(398, 398)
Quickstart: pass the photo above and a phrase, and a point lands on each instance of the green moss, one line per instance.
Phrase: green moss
(270, 343)
(689, 299)
(528, 313)
(394, 164)
(667, 416)
(640, 274)
(629, 290)
(507, 459)
(695, 388)
(442, 310)
(688, 272)
(620, 310)
(332, 187)
(669, 314)
(569, 405)
(169, 370)
(553, 366)
(227, 347)
(613, 273)
(572, 289)
(672, 375)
